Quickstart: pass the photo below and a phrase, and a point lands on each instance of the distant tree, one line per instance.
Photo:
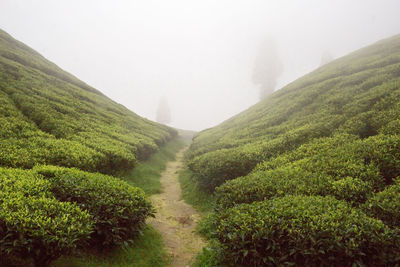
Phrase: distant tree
(163, 111)
(325, 58)
(267, 68)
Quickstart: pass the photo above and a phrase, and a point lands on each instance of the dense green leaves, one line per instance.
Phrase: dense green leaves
(118, 210)
(385, 205)
(33, 224)
(50, 117)
(49, 211)
(305, 231)
(341, 97)
(310, 175)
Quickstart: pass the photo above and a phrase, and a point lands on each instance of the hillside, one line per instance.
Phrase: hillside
(56, 135)
(311, 174)
(50, 117)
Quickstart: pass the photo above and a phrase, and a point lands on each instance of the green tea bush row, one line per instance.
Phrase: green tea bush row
(305, 231)
(73, 124)
(385, 205)
(342, 166)
(117, 209)
(362, 102)
(41, 228)
(50, 211)
(214, 168)
(33, 224)
(318, 163)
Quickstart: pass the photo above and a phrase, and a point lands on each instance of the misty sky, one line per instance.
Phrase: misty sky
(200, 54)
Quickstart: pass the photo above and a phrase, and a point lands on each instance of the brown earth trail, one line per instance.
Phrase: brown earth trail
(175, 219)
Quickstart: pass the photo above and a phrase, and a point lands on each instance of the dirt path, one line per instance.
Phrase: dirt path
(176, 220)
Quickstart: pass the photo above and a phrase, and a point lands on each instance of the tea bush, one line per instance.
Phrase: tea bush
(33, 224)
(117, 209)
(23, 182)
(50, 117)
(41, 228)
(293, 174)
(305, 231)
(385, 205)
(327, 166)
(384, 151)
(363, 101)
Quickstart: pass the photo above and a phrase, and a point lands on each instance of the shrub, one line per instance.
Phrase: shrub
(327, 166)
(353, 190)
(23, 182)
(260, 186)
(385, 205)
(118, 210)
(384, 151)
(216, 167)
(305, 231)
(41, 228)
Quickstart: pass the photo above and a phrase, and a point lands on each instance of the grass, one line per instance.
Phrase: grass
(202, 201)
(147, 251)
(305, 139)
(147, 174)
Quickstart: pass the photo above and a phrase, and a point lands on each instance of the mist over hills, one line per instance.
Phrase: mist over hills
(48, 116)
(341, 96)
(56, 134)
(309, 176)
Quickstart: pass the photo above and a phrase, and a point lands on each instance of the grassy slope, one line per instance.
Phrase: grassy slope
(357, 94)
(332, 132)
(202, 201)
(146, 175)
(50, 117)
(148, 249)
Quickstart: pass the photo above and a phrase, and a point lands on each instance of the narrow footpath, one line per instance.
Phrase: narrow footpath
(175, 219)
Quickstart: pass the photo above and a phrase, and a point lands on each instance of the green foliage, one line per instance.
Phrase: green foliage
(384, 151)
(385, 205)
(22, 182)
(294, 174)
(147, 251)
(117, 209)
(50, 117)
(211, 256)
(191, 193)
(358, 94)
(327, 166)
(50, 211)
(40, 228)
(307, 231)
(146, 174)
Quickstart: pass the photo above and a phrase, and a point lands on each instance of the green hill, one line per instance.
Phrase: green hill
(311, 174)
(56, 135)
(50, 117)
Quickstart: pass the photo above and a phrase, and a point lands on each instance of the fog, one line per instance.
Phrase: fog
(199, 54)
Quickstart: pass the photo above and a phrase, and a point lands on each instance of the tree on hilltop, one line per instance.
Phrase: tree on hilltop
(267, 68)
(163, 111)
(325, 58)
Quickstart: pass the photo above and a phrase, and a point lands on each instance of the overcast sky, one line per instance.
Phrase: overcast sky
(199, 54)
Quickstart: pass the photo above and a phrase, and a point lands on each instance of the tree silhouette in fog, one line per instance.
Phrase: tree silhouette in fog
(267, 68)
(163, 111)
(325, 58)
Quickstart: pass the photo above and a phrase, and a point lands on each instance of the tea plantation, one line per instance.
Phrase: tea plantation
(310, 176)
(60, 140)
